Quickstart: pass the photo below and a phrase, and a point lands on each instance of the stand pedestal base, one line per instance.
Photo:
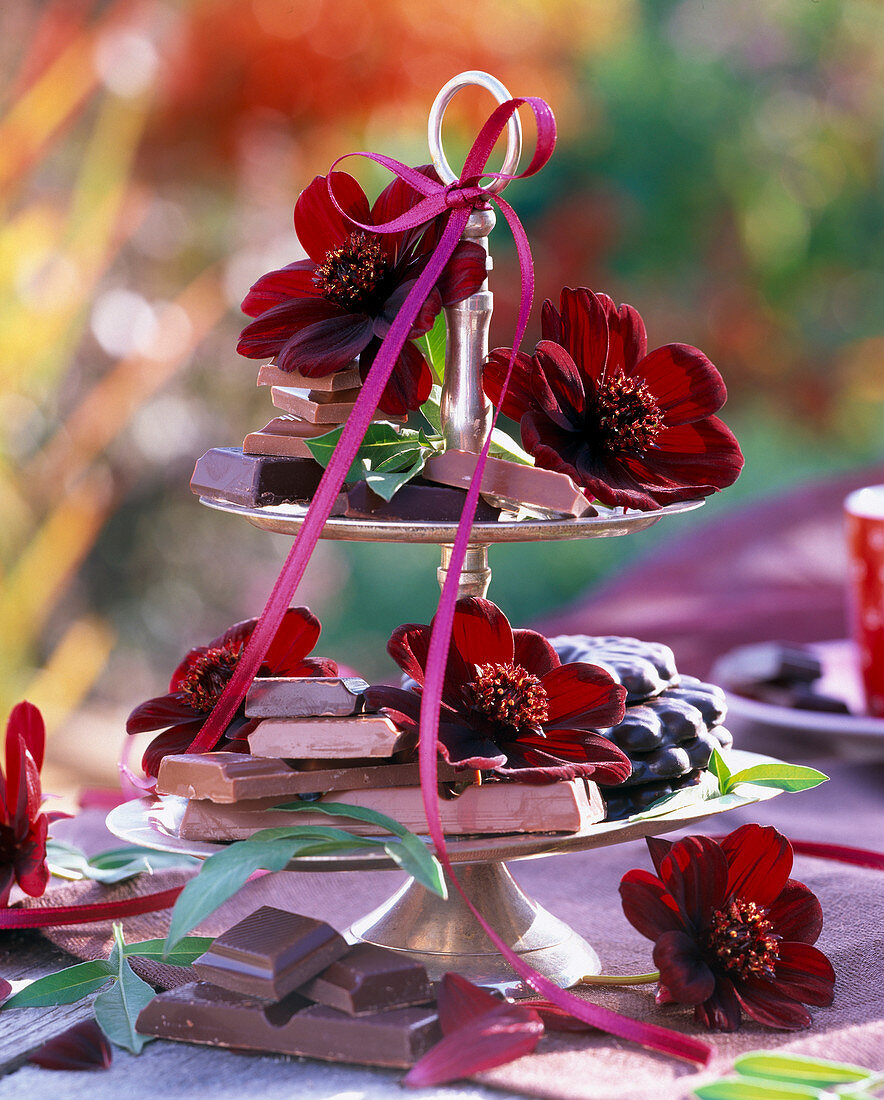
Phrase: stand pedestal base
(444, 935)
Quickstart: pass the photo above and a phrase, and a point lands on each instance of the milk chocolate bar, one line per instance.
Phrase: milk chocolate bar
(270, 953)
(370, 979)
(489, 808)
(304, 696)
(364, 735)
(203, 1013)
(236, 777)
(226, 473)
(299, 403)
(510, 484)
(284, 435)
(340, 381)
(415, 500)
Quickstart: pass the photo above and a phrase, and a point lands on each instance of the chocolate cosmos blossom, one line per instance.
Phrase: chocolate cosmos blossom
(197, 684)
(23, 827)
(732, 932)
(508, 703)
(317, 315)
(634, 428)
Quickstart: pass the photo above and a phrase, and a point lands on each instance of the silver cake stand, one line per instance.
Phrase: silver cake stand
(444, 935)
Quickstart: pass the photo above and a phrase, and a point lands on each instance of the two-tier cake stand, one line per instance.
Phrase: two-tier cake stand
(443, 934)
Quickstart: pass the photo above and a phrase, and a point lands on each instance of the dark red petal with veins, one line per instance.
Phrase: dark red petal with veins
(319, 225)
(695, 872)
(550, 322)
(585, 331)
(565, 754)
(463, 747)
(628, 329)
(235, 636)
(648, 906)
(5, 990)
(409, 384)
(422, 323)
(272, 331)
(161, 712)
(464, 273)
(683, 970)
(557, 386)
(533, 652)
(459, 1002)
(175, 740)
(295, 637)
(759, 860)
(408, 646)
(26, 722)
(584, 691)
(722, 1011)
(555, 1018)
(292, 281)
(796, 914)
(685, 385)
(768, 1006)
(82, 1047)
(705, 456)
(395, 199)
(481, 633)
(805, 974)
(30, 859)
(315, 666)
(503, 1034)
(326, 346)
(519, 394)
(659, 849)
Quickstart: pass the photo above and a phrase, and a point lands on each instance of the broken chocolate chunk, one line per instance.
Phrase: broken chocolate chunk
(371, 979)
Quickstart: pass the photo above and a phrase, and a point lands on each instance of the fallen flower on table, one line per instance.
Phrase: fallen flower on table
(23, 828)
(732, 932)
(635, 428)
(197, 684)
(479, 1032)
(82, 1047)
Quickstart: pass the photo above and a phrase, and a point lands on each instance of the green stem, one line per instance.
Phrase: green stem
(620, 979)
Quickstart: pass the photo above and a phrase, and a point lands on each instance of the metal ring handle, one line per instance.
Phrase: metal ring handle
(434, 126)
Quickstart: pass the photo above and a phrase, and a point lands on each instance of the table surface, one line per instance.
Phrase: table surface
(846, 810)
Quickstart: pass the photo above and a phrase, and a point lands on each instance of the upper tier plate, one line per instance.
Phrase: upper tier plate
(287, 519)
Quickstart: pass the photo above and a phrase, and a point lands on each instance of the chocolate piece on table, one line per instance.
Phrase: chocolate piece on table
(226, 473)
(415, 500)
(363, 735)
(304, 696)
(511, 484)
(270, 953)
(370, 979)
(767, 663)
(299, 403)
(490, 808)
(342, 380)
(228, 777)
(204, 1013)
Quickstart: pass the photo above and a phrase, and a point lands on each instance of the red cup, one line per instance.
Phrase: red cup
(864, 510)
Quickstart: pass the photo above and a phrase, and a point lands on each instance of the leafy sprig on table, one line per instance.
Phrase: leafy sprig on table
(766, 1075)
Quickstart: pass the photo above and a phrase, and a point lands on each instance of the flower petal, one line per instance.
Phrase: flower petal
(276, 287)
(319, 225)
(585, 331)
(695, 872)
(163, 711)
(557, 386)
(500, 1036)
(551, 322)
(422, 323)
(464, 273)
(519, 394)
(326, 346)
(410, 383)
(805, 974)
(704, 456)
(481, 633)
(533, 652)
(459, 1002)
(269, 333)
(685, 384)
(173, 741)
(29, 859)
(759, 860)
(82, 1047)
(683, 970)
(659, 849)
(26, 722)
(627, 329)
(408, 646)
(796, 913)
(767, 1005)
(586, 692)
(722, 1011)
(295, 637)
(398, 198)
(648, 905)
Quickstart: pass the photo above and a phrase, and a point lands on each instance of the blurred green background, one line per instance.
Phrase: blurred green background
(718, 166)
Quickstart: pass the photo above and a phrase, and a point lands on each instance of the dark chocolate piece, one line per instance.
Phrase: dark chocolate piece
(203, 1013)
(371, 979)
(270, 953)
(415, 500)
(304, 696)
(226, 473)
(767, 663)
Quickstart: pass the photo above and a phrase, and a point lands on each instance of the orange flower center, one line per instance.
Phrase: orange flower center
(508, 694)
(352, 274)
(628, 416)
(209, 675)
(743, 939)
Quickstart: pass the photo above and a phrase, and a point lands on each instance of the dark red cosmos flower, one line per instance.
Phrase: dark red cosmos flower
(508, 703)
(197, 683)
(317, 315)
(634, 428)
(23, 827)
(732, 931)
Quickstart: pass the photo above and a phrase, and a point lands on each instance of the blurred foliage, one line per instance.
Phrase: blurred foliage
(718, 166)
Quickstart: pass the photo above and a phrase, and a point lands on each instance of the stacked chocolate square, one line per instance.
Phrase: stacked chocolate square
(315, 741)
(289, 984)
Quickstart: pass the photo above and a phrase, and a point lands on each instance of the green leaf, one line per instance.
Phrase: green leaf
(117, 1008)
(432, 409)
(184, 954)
(432, 344)
(738, 1088)
(816, 1072)
(720, 770)
(116, 865)
(386, 458)
(504, 446)
(64, 987)
(386, 484)
(785, 777)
